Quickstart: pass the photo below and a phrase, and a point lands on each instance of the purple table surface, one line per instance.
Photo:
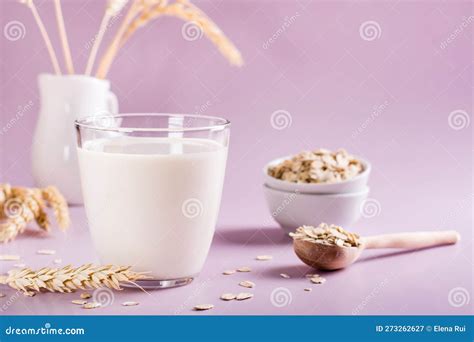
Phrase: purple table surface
(387, 96)
(382, 282)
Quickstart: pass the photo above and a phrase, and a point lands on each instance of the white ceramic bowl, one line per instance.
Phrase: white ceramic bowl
(356, 184)
(294, 209)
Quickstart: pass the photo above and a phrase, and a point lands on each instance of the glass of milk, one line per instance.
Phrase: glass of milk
(152, 187)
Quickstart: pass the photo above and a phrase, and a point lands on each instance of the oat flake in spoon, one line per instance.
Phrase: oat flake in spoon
(331, 247)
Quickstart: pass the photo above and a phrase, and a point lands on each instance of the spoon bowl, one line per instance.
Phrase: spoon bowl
(333, 257)
(326, 257)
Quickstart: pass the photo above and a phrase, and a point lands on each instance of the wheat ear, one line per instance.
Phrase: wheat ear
(11, 226)
(49, 46)
(63, 36)
(9, 229)
(36, 206)
(114, 46)
(186, 11)
(69, 279)
(113, 8)
(55, 200)
(30, 204)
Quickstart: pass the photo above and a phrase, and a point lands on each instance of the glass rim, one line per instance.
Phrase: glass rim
(90, 122)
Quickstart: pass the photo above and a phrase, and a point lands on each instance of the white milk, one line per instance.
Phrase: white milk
(153, 202)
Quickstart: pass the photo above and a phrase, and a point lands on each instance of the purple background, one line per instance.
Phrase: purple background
(386, 99)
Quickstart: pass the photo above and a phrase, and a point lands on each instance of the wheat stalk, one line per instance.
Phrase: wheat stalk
(186, 11)
(114, 46)
(32, 203)
(63, 36)
(113, 8)
(49, 46)
(148, 10)
(69, 279)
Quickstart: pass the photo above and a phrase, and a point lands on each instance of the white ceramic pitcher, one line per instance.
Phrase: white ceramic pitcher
(64, 99)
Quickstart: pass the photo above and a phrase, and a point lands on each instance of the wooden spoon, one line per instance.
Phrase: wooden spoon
(332, 257)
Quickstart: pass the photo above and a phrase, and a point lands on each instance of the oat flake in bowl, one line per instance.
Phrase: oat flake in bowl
(318, 171)
(319, 166)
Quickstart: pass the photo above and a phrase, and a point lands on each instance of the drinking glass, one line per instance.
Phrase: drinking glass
(152, 187)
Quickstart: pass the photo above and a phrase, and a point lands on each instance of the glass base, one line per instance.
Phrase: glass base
(151, 284)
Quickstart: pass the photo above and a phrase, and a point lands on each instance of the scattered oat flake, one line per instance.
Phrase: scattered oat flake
(311, 275)
(19, 265)
(307, 289)
(92, 305)
(247, 283)
(46, 251)
(202, 307)
(2, 295)
(58, 261)
(228, 296)
(79, 301)
(29, 294)
(244, 296)
(244, 269)
(284, 275)
(318, 280)
(130, 303)
(7, 257)
(264, 257)
(228, 272)
(85, 295)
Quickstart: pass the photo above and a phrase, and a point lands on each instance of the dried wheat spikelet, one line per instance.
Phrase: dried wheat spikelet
(44, 33)
(58, 203)
(186, 11)
(37, 208)
(141, 12)
(69, 279)
(20, 205)
(10, 228)
(113, 8)
(31, 204)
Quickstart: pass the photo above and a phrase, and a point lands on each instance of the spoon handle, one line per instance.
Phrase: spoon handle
(412, 240)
